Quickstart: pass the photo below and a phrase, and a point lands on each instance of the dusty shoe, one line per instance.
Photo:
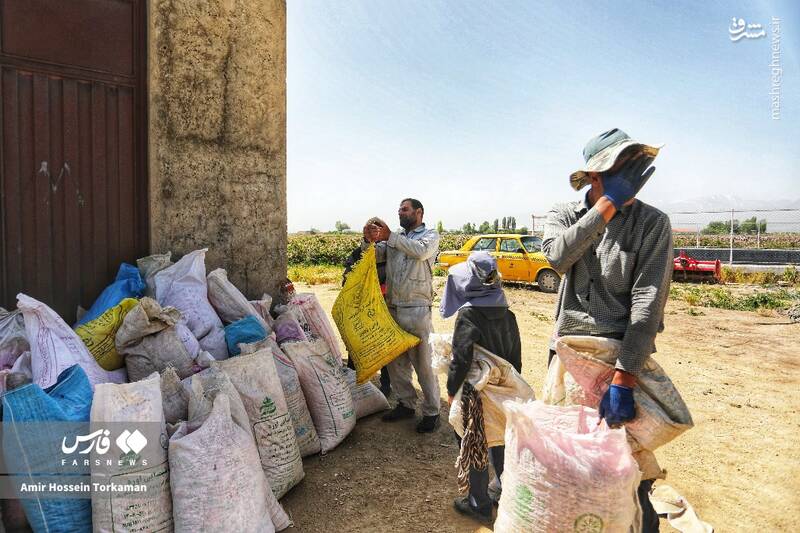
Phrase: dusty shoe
(484, 516)
(428, 424)
(398, 413)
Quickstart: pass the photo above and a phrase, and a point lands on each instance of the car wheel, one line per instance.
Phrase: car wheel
(548, 281)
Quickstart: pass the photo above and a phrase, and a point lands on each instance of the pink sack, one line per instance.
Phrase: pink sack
(661, 414)
(564, 472)
(262, 307)
(317, 320)
(288, 329)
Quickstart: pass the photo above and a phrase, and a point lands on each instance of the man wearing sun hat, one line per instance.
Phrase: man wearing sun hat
(615, 254)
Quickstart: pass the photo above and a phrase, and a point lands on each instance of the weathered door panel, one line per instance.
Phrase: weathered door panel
(73, 176)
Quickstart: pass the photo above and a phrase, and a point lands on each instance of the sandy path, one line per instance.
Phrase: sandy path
(739, 373)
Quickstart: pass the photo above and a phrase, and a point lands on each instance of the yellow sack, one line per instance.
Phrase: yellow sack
(100, 334)
(370, 333)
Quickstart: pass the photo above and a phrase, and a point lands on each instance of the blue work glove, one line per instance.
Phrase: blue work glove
(623, 185)
(617, 405)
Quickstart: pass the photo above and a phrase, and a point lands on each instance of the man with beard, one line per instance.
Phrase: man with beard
(409, 255)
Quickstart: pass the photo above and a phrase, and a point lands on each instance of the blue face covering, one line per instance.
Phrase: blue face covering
(475, 282)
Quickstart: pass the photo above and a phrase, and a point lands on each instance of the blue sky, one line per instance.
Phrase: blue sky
(481, 109)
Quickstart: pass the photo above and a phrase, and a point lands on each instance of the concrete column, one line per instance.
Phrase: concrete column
(217, 135)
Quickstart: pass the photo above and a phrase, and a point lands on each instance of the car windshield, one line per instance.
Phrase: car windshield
(532, 244)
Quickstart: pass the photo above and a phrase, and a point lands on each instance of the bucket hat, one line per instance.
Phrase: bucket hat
(604, 150)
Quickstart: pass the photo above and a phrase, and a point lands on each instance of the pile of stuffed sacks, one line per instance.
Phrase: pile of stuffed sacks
(240, 395)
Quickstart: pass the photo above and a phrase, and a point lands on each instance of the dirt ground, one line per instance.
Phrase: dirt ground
(738, 371)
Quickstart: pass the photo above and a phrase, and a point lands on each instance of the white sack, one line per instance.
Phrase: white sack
(137, 404)
(316, 320)
(229, 303)
(367, 398)
(304, 430)
(203, 387)
(56, 347)
(496, 381)
(183, 286)
(23, 365)
(216, 477)
(325, 388)
(441, 351)
(256, 379)
(13, 341)
(148, 268)
(262, 307)
(152, 338)
(661, 413)
(174, 397)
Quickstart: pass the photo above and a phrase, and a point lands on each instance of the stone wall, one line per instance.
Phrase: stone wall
(217, 89)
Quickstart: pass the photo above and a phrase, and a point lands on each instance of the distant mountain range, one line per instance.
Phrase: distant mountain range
(723, 202)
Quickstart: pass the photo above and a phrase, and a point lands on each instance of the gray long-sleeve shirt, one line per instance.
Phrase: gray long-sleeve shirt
(616, 275)
(409, 258)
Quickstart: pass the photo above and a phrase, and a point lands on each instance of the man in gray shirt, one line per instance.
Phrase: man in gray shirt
(615, 253)
(409, 255)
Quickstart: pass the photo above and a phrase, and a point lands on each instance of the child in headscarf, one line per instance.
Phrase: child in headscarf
(474, 291)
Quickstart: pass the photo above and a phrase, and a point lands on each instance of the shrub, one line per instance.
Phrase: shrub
(723, 298)
(791, 276)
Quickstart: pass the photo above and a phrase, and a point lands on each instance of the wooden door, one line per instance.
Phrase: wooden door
(73, 176)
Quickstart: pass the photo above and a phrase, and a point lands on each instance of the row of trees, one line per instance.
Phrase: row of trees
(471, 229)
(504, 225)
(341, 227)
(746, 227)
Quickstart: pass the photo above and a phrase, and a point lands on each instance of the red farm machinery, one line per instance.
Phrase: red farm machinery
(690, 269)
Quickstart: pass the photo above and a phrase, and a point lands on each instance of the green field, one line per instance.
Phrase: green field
(333, 248)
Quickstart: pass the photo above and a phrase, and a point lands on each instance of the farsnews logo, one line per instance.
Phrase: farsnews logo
(99, 442)
(131, 442)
